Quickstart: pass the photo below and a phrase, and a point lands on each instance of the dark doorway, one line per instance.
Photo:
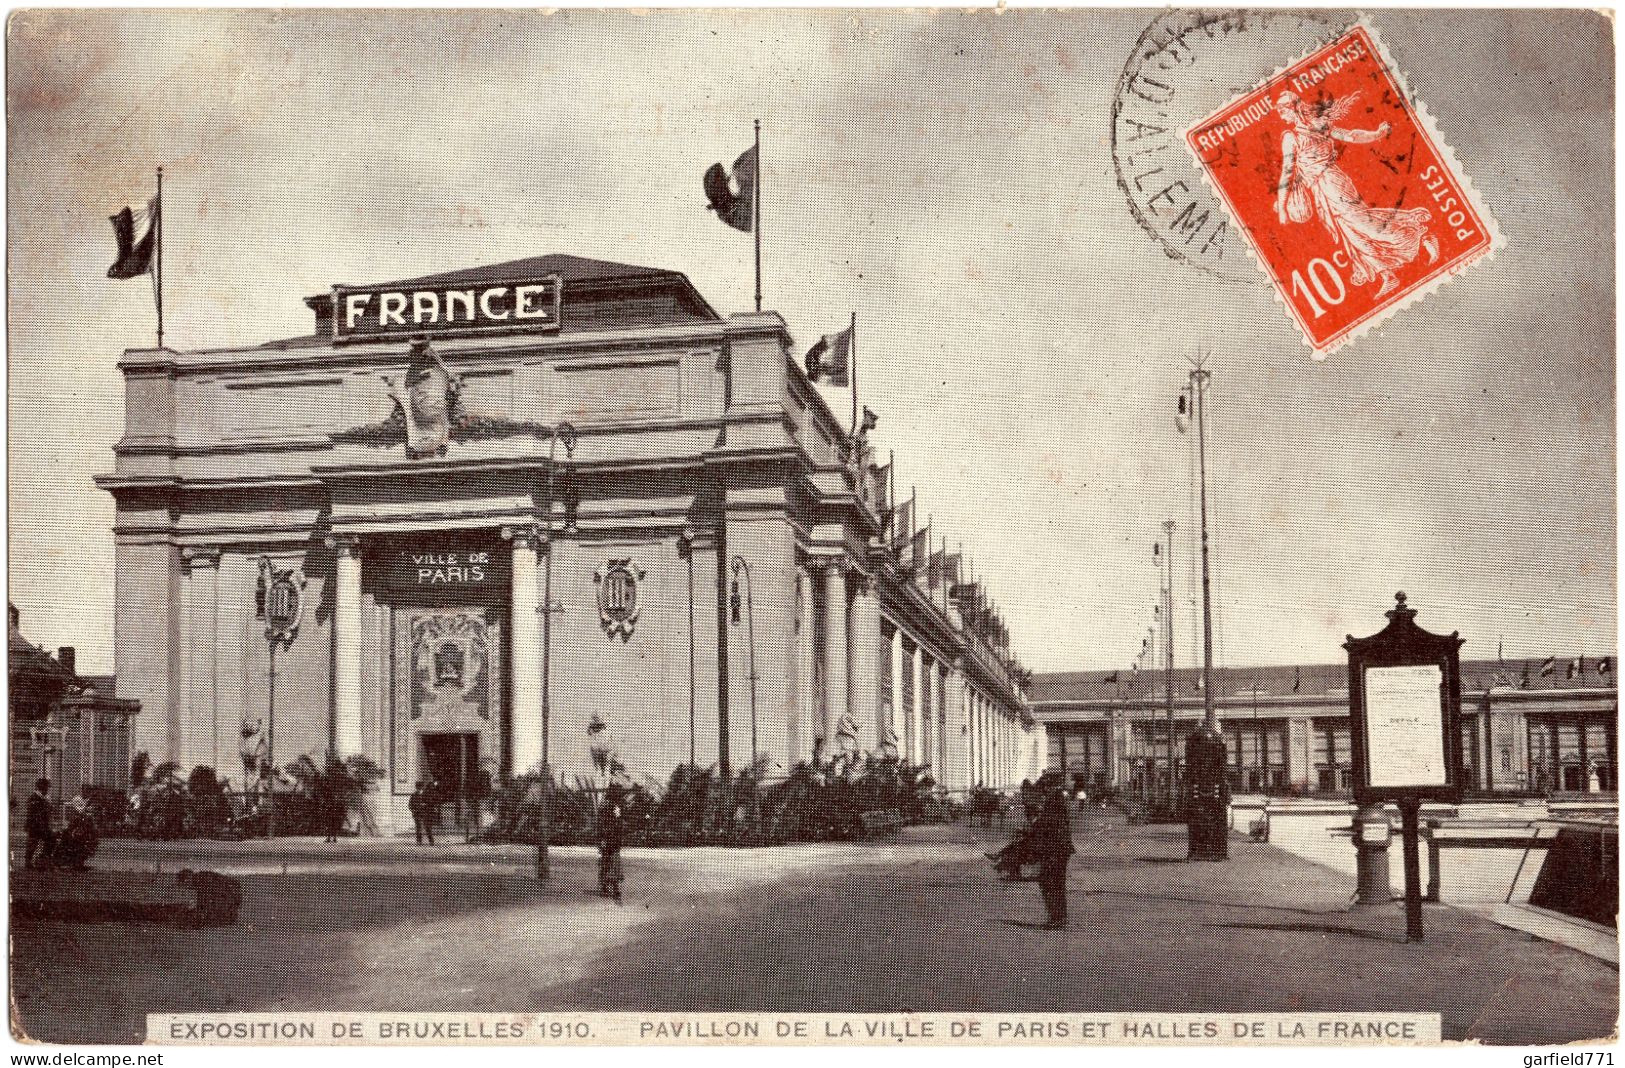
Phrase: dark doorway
(450, 763)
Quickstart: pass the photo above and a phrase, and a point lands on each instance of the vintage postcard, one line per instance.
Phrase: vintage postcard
(812, 528)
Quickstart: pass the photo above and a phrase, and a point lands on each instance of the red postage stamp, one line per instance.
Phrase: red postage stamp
(1351, 202)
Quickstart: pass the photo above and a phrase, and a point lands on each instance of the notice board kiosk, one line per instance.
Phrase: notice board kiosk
(1405, 726)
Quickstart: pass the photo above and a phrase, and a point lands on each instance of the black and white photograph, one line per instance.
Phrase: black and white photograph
(1038, 528)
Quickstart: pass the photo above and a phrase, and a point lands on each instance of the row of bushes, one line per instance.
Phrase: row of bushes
(696, 806)
(309, 799)
(700, 806)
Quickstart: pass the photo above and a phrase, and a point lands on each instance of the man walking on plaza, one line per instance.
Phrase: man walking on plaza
(422, 809)
(1051, 843)
(38, 825)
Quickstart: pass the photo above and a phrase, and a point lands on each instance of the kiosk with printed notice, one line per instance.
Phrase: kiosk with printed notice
(1405, 725)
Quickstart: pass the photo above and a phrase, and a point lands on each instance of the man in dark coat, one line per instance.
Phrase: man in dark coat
(422, 806)
(611, 831)
(1051, 843)
(38, 825)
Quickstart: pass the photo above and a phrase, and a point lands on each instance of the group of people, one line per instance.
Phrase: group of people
(74, 845)
(1046, 843)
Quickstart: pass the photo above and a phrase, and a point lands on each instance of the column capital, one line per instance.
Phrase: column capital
(823, 565)
(200, 556)
(525, 536)
(344, 545)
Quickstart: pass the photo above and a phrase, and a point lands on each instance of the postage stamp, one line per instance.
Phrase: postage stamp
(1187, 63)
(1348, 198)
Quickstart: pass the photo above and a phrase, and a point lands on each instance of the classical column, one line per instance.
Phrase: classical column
(834, 649)
(865, 695)
(525, 647)
(803, 732)
(346, 646)
(200, 734)
(911, 721)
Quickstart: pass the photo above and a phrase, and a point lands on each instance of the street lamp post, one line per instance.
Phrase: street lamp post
(685, 549)
(1168, 654)
(566, 433)
(736, 567)
(1207, 787)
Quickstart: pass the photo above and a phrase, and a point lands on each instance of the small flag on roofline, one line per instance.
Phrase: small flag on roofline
(829, 358)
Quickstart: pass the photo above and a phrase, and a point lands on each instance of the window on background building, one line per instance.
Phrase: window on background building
(1470, 776)
(1331, 752)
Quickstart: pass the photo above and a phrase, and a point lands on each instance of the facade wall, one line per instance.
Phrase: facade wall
(703, 461)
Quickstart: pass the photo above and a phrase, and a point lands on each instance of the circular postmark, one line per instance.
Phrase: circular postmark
(1187, 64)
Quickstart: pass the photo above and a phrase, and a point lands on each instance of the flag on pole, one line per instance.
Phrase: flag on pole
(1605, 666)
(134, 253)
(1297, 678)
(830, 358)
(880, 478)
(1548, 667)
(1182, 417)
(902, 523)
(1576, 667)
(919, 545)
(732, 194)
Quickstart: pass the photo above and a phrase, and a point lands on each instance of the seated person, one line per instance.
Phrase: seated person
(1009, 861)
(79, 839)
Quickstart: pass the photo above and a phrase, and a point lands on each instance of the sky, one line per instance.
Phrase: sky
(947, 176)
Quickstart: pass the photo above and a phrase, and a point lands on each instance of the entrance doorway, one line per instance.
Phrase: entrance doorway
(450, 764)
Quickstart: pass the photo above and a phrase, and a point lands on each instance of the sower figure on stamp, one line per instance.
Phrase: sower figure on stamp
(1051, 844)
(1379, 241)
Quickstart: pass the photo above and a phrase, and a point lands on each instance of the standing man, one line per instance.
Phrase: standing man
(611, 831)
(422, 809)
(39, 824)
(1051, 836)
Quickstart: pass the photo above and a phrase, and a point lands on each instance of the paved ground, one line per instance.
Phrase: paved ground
(917, 923)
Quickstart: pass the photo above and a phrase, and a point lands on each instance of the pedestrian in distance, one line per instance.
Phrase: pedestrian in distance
(38, 824)
(421, 805)
(1051, 845)
(611, 829)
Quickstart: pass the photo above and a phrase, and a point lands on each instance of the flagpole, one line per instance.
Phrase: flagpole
(852, 355)
(158, 265)
(756, 212)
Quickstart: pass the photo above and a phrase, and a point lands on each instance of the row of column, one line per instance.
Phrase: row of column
(525, 643)
(999, 745)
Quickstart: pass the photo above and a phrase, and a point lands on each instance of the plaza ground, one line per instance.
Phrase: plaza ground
(914, 923)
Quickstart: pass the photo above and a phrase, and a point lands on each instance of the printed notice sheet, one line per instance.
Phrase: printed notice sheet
(1404, 726)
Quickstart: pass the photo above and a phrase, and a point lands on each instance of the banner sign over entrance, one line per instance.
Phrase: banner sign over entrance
(436, 570)
(374, 312)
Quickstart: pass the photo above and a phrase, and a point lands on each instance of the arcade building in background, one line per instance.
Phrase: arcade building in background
(1529, 727)
(468, 513)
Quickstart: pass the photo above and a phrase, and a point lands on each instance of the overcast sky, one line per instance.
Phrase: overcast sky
(948, 177)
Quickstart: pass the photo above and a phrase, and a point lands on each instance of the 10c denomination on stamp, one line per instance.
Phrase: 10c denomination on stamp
(1350, 201)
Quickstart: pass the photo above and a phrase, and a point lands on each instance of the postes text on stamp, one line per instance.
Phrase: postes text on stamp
(1351, 203)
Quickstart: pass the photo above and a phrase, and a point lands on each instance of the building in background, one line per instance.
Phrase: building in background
(1528, 726)
(64, 726)
(467, 513)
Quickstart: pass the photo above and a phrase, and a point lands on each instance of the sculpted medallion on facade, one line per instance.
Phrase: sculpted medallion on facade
(618, 597)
